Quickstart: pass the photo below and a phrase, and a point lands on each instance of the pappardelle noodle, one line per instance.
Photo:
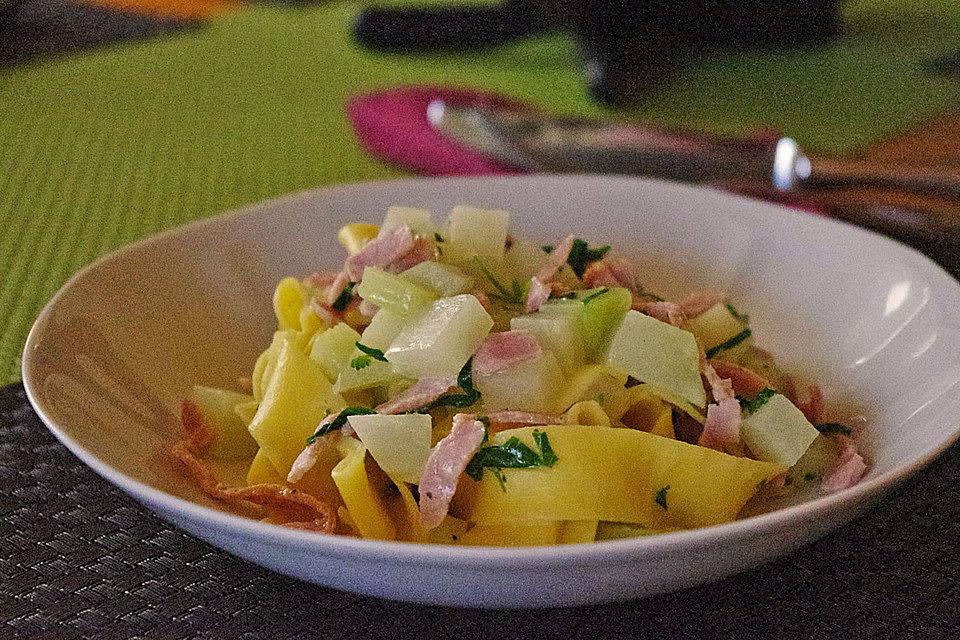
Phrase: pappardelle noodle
(453, 383)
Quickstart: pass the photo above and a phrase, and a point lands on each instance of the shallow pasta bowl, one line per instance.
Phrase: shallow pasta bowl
(874, 322)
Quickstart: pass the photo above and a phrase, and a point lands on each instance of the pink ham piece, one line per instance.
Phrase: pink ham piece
(848, 469)
(444, 466)
(325, 312)
(699, 302)
(389, 245)
(809, 399)
(482, 298)
(339, 283)
(420, 251)
(368, 309)
(308, 457)
(320, 279)
(721, 429)
(501, 350)
(664, 311)
(610, 272)
(540, 284)
(418, 396)
(746, 383)
(500, 420)
(199, 434)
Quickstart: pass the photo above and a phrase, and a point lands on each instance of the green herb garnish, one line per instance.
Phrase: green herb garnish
(729, 344)
(470, 395)
(833, 427)
(754, 405)
(360, 362)
(660, 497)
(581, 256)
(438, 237)
(517, 292)
(595, 294)
(337, 423)
(736, 314)
(512, 454)
(810, 476)
(547, 248)
(646, 294)
(370, 354)
(340, 304)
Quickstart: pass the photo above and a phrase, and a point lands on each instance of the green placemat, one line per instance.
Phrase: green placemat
(102, 148)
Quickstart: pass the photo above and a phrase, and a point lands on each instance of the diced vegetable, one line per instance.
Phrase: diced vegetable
(375, 374)
(296, 399)
(445, 279)
(245, 411)
(419, 220)
(524, 258)
(442, 340)
(617, 475)
(778, 432)
(231, 440)
(557, 331)
(595, 382)
(394, 293)
(661, 355)
(353, 236)
(400, 444)
(717, 325)
(361, 493)
(535, 385)
(333, 348)
(601, 315)
(815, 462)
(476, 233)
(382, 330)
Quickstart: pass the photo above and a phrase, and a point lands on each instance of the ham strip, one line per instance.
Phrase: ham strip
(320, 279)
(368, 309)
(721, 429)
(420, 251)
(664, 311)
(746, 383)
(500, 420)
(540, 284)
(610, 272)
(268, 495)
(501, 350)
(697, 303)
(308, 457)
(848, 470)
(444, 466)
(199, 434)
(389, 245)
(809, 399)
(418, 396)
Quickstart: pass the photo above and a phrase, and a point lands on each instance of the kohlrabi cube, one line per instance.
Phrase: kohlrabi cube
(603, 310)
(524, 258)
(815, 461)
(659, 354)
(382, 330)
(400, 444)
(535, 385)
(394, 293)
(476, 233)
(231, 440)
(332, 349)
(441, 340)
(718, 325)
(597, 382)
(371, 375)
(778, 432)
(445, 279)
(558, 333)
(419, 220)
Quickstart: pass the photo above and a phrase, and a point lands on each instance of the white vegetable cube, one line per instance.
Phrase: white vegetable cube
(332, 349)
(376, 374)
(419, 220)
(660, 355)
(393, 293)
(525, 258)
(480, 233)
(778, 432)
(400, 444)
(536, 385)
(442, 340)
(556, 332)
(382, 330)
(445, 279)
(716, 325)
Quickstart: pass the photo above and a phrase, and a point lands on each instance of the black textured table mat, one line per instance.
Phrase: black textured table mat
(80, 559)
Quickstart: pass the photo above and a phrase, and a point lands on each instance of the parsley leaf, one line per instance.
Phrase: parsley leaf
(754, 405)
(517, 292)
(646, 294)
(340, 304)
(729, 344)
(512, 454)
(581, 255)
(337, 423)
(361, 362)
(376, 354)
(833, 427)
(547, 248)
(736, 314)
(470, 395)
(595, 294)
(438, 237)
(660, 497)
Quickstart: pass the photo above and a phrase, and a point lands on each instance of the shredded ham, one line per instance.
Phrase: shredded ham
(721, 429)
(268, 495)
(809, 399)
(500, 420)
(746, 383)
(199, 434)
(501, 350)
(325, 312)
(389, 245)
(320, 279)
(368, 309)
(482, 298)
(419, 395)
(697, 303)
(444, 466)
(722, 388)
(665, 312)
(420, 251)
(308, 457)
(540, 284)
(340, 282)
(610, 272)
(848, 469)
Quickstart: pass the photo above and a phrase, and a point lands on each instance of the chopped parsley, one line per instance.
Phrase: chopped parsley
(754, 405)
(470, 395)
(438, 237)
(595, 294)
(547, 248)
(512, 454)
(572, 295)
(581, 256)
(646, 294)
(340, 304)
(517, 292)
(736, 314)
(833, 427)
(337, 423)
(810, 476)
(370, 354)
(660, 497)
(729, 344)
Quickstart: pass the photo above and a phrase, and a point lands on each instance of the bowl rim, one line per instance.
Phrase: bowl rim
(543, 557)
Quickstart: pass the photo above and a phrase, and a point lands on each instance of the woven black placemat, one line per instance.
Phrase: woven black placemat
(79, 559)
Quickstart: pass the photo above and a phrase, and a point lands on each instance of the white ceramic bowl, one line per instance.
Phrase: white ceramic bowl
(111, 356)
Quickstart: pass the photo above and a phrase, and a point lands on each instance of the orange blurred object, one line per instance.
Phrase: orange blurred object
(172, 8)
